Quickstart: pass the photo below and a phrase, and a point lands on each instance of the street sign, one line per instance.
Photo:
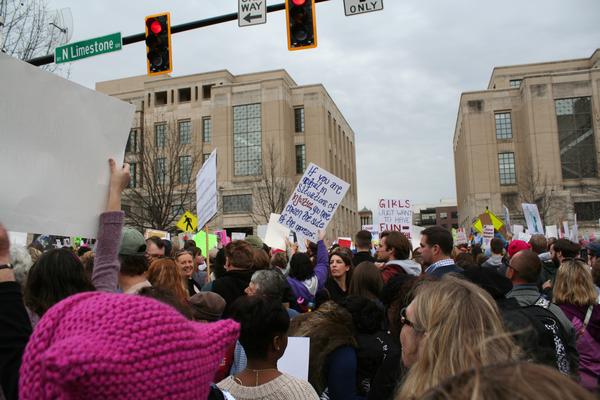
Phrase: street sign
(88, 48)
(252, 12)
(355, 7)
(188, 222)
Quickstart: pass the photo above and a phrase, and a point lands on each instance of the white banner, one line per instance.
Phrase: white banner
(313, 203)
(206, 190)
(55, 141)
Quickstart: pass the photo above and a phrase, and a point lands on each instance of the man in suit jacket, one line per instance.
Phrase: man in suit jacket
(436, 247)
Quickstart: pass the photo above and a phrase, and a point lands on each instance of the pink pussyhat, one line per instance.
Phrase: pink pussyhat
(115, 346)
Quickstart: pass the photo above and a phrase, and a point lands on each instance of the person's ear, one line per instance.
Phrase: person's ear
(277, 343)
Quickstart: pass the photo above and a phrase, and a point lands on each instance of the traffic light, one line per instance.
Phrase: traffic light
(158, 43)
(301, 24)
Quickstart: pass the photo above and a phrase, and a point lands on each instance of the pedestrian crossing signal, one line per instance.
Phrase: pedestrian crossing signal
(158, 44)
(301, 24)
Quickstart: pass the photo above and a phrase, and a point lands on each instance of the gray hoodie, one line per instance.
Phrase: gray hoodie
(409, 266)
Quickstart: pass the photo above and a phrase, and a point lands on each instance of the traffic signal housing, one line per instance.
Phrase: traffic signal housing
(301, 24)
(158, 44)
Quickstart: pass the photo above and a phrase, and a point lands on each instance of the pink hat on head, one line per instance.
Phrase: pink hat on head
(115, 346)
(516, 246)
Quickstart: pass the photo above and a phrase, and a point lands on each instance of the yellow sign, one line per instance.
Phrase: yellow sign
(483, 220)
(188, 222)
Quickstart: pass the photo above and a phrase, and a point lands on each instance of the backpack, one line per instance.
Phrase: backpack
(540, 334)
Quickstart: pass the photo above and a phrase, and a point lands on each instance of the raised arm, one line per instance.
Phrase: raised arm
(106, 261)
(322, 266)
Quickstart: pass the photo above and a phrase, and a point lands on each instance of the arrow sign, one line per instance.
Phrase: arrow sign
(252, 12)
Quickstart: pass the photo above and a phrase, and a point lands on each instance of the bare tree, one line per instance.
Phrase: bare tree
(31, 29)
(534, 188)
(166, 179)
(273, 190)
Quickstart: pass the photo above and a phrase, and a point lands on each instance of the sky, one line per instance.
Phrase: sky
(396, 75)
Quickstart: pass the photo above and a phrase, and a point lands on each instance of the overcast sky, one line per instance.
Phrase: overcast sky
(396, 74)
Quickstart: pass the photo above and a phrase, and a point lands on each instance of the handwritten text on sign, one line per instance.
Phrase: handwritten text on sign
(313, 203)
(395, 215)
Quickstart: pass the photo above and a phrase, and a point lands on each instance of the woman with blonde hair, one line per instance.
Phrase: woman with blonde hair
(163, 273)
(451, 326)
(574, 292)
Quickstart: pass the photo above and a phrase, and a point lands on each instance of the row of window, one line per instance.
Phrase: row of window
(184, 129)
(161, 169)
(184, 95)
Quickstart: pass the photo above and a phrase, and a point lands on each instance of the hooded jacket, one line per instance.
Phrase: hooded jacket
(304, 291)
(395, 267)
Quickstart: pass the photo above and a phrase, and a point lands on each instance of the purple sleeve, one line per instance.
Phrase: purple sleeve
(106, 261)
(322, 267)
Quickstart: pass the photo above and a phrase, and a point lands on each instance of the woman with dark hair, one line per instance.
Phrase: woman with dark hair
(263, 335)
(367, 282)
(305, 279)
(340, 273)
(59, 273)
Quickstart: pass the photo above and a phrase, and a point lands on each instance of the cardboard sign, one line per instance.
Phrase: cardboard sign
(276, 233)
(154, 232)
(394, 215)
(313, 203)
(533, 219)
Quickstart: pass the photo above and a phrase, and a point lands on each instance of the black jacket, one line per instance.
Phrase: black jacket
(362, 256)
(231, 286)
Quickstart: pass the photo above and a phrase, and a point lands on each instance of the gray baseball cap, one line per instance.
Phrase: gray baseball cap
(132, 243)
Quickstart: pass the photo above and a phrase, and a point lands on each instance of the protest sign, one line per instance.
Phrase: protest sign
(17, 238)
(567, 233)
(533, 219)
(155, 232)
(313, 203)
(415, 237)
(295, 358)
(394, 215)
(238, 236)
(276, 233)
(488, 235)
(551, 231)
(261, 231)
(345, 242)
(506, 218)
(222, 237)
(55, 142)
(200, 239)
(206, 190)
(575, 230)
(461, 237)
(517, 229)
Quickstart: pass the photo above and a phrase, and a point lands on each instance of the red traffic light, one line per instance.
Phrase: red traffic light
(155, 27)
(298, 2)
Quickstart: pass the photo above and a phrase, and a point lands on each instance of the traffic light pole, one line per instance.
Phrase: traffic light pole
(140, 37)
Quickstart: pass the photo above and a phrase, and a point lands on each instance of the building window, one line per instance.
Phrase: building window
(247, 142)
(207, 91)
(185, 169)
(300, 158)
(443, 215)
(506, 165)
(299, 119)
(132, 142)
(184, 95)
(133, 174)
(503, 126)
(206, 129)
(576, 138)
(240, 203)
(185, 132)
(160, 169)
(205, 157)
(160, 98)
(515, 83)
(454, 214)
(160, 134)
(589, 211)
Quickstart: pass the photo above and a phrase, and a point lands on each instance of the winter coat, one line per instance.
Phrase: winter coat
(304, 291)
(362, 256)
(495, 262)
(588, 343)
(395, 267)
(231, 286)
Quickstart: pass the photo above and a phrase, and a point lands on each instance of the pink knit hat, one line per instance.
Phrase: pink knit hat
(115, 346)
(516, 246)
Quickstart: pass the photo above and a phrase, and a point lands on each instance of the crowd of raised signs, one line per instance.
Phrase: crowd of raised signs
(137, 318)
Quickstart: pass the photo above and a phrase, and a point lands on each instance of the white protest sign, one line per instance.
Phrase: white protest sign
(206, 190)
(516, 230)
(533, 219)
(55, 141)
(17, 238)
(367, 228)
(488, 235)
(276, 233)
(238, 236)
(461, 237)
(551, 231)
(415, 237)
(313, 203)
(506, 218)
(295, 359)
(566, 229)
(394, 215)
(575, 230)
(261, 231)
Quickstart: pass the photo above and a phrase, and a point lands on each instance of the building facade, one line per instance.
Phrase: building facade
(266, 130)
(444, 214)
(532, 137)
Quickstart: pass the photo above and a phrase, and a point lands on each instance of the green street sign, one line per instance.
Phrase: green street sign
(88, 48)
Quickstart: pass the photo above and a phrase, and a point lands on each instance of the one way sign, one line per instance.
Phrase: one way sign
(252, 12)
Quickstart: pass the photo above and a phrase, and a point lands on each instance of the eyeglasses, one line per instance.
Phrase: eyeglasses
(574, 259)
(404, 320)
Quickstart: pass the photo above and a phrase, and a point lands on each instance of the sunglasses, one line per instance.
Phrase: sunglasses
(404, 320)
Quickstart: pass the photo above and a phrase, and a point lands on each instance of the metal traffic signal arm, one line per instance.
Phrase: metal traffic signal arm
(140, 37)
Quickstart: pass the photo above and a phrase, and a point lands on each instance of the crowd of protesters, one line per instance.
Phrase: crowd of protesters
(142, 318)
